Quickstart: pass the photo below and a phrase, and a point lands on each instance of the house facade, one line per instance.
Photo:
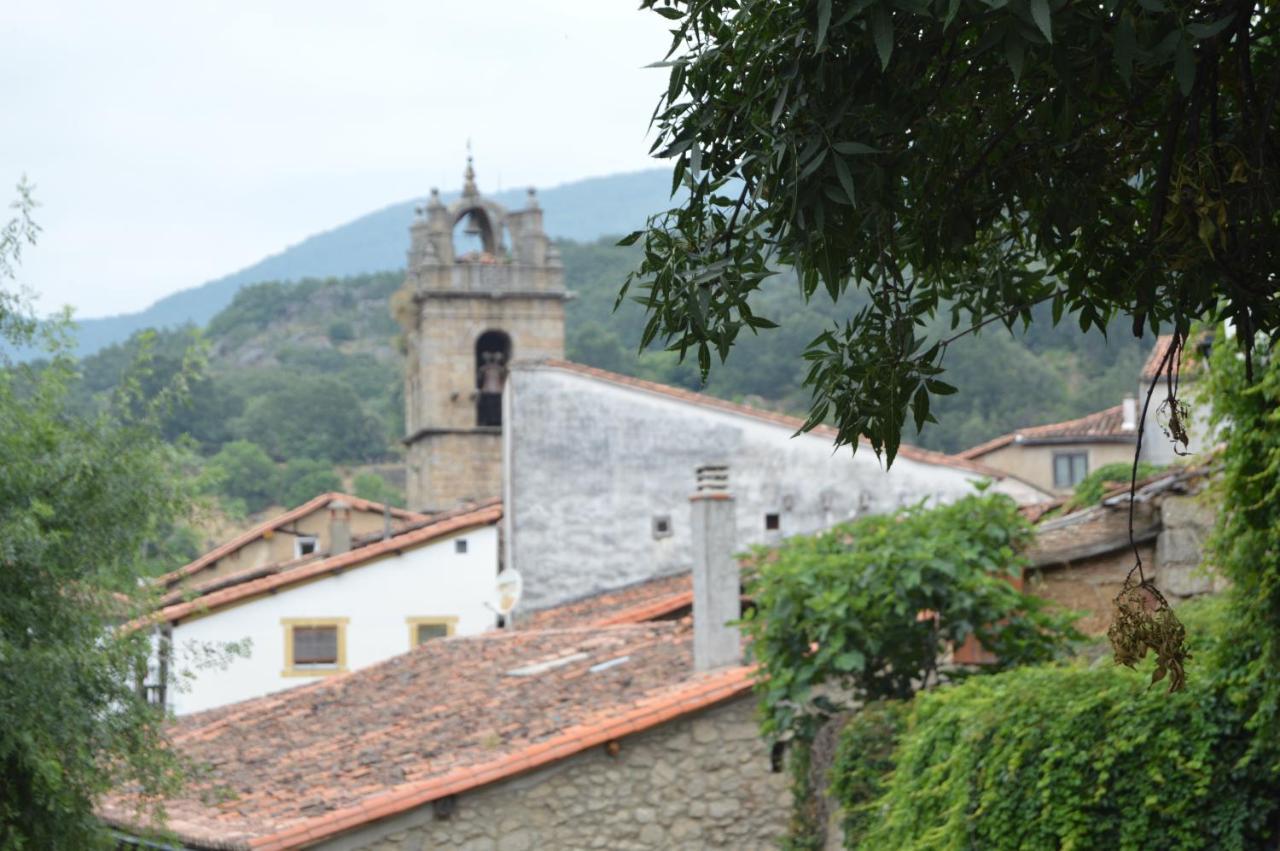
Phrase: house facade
(598, 469)
(256, 632)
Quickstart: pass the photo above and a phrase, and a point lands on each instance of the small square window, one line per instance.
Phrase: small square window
(1069, 468)
(305, 545)
(422, 630)
(460, 546)
(662, 526)
(772, 522)
(314, 646)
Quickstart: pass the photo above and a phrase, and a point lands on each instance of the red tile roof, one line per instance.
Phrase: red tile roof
(1107, 425)
(321, 501)
(914, 453)
(652, 599)
(294, 768)
(257, 581)
(1151, 368)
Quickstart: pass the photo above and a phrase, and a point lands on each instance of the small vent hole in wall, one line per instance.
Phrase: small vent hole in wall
(661, 526)
(460, 545)
(772, 522)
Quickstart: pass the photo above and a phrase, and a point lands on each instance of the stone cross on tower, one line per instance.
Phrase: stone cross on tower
(466, 318)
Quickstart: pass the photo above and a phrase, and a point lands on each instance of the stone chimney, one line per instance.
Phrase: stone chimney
(716, 586)
(339, 527)
(1129, 413)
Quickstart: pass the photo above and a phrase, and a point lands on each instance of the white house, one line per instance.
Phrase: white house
(597, 470)
(326, 613)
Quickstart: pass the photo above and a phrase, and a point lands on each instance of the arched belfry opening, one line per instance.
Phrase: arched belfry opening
(493, 353)
(478, 239)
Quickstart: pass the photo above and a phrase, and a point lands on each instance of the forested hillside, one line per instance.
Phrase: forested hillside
(302, 380)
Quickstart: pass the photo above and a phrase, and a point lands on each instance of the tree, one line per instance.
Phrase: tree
(305, 478)
(243, 470)
(972, 158)
(81, 497)
(371, 486)
(312, 417)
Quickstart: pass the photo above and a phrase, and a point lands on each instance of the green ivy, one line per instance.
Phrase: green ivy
(1070, 756)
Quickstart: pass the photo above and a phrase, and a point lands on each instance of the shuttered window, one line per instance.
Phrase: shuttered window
(428, 631)
(315, 645)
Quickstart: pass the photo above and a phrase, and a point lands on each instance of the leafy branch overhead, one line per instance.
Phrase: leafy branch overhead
(969, 158)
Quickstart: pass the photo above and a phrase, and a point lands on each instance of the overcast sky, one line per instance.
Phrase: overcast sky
(174, 142)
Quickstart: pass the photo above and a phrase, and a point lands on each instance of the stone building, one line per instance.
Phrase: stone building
(467, 316)
(599, 465)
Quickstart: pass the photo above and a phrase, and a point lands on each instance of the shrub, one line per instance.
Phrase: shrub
(1070, 757)
(242, 470)
(373, 487)
(1091, 487)
(304, 478)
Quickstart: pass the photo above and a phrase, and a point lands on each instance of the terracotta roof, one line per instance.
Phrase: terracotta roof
(256, 581)
(1152, 366)
(321, 501)
(1192, 351)
(295, 768)
(1107, 425)
(650, 600)
(914, 453)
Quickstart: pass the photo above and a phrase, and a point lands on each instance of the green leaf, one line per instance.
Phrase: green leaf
(669, 13)
(824, 21)
(1210, 30)
(1014, 52)
(1184, 67)
(882, 33)
(1124, 46)
(939, 388)
(855, 148)
(630, 239)
(846, 179)
(1040, 14)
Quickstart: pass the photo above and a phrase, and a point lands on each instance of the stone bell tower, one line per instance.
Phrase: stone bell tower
(466, 318)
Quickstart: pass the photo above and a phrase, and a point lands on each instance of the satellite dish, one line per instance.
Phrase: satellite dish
(509, 586)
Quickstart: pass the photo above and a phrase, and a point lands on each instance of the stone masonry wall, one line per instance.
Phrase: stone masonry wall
(697, 782)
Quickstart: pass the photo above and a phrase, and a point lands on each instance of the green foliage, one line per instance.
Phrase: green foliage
(1073, 757)
(863, 762)
(341, 331)
(959, 159)
(1245, 546)
(305, 478)
(312, 417)
(81, 498)
(373, 487)
(1090, 489)
(843, 609)
(243, 470)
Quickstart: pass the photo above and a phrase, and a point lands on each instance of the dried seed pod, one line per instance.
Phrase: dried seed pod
(1142, 622)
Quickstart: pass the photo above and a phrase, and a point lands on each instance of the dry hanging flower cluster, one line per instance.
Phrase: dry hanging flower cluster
(1143, 621)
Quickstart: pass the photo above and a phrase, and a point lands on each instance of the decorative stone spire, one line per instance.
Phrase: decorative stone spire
(469, 189)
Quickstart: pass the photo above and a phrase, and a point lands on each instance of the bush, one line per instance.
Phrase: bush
(242, 470)
(373, 487)
(303, 479)
(341, 331)
(1071, 757)
(1090, 489)
(313, 417)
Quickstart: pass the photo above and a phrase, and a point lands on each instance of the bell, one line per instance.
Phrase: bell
(472, 229)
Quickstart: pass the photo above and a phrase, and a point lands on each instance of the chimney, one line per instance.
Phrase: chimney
(339, 527)
(716, 586)
(1129, 413)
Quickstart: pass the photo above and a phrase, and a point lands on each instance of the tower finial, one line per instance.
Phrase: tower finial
(469, 176)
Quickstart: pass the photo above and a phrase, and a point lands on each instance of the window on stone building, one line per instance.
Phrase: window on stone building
(424, 629)
(1069, 468)
(662, 526)
(305, 545)
(314, 646)
(772, 522)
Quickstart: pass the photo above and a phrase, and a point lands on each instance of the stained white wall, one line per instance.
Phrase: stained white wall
(431, 580)
(589, 463)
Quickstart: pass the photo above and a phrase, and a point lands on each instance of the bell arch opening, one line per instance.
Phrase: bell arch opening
(478, 238)
(493, 353)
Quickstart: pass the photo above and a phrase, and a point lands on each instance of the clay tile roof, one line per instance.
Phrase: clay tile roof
(321, 501)
(1158, 353)
(1108, 425)
(315, 761)
(653, 599)
(256, 581)
(915, 453)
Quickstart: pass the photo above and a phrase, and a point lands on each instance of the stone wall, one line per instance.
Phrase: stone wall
(445, 470)
(698, 782)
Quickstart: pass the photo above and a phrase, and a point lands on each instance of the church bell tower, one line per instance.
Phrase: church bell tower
(467, 315)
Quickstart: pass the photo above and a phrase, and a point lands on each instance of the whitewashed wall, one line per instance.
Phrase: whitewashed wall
(589, 463)
(431, 580)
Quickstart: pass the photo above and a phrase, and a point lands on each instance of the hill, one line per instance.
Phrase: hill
(581, 211)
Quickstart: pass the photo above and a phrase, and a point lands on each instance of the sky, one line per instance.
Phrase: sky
(175, 142)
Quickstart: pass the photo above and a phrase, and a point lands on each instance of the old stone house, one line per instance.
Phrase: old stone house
(363, 599)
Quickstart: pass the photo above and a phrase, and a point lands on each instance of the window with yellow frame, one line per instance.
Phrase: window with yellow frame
(424, 629)
(314, 647)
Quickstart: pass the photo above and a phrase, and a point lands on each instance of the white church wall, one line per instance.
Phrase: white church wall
(376, 600)
(591, 466)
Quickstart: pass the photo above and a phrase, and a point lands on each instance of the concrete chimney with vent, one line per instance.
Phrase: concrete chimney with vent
(716, 585)
(339, 527)
(1129, 413)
